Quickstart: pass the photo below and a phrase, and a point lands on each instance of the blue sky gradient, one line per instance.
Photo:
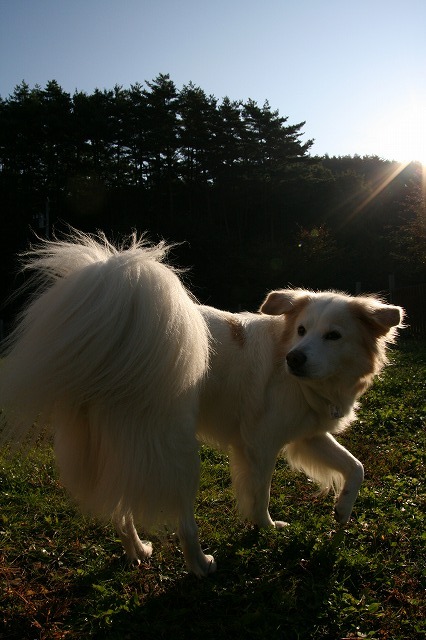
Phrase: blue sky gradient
(355, 71)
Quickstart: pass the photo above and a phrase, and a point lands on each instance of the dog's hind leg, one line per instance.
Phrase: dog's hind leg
(135, 549)
(196, 561)
(182, 493)
(328, 462)
(186, 488)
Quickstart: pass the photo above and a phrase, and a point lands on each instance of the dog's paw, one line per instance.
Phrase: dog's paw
(143, 549)
(342, 515)
(204, 566)
(211, 565)
(279, 524)
(138, 552)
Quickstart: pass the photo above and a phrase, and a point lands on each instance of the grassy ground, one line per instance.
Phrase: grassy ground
(63, 576)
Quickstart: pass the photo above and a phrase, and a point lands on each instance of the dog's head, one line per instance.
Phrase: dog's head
(329, 334)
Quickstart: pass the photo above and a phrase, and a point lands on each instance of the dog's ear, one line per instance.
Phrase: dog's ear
(388, 316)
(283, 301)
(380, 316)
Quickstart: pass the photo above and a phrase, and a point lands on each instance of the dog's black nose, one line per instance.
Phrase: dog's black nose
(296, 359)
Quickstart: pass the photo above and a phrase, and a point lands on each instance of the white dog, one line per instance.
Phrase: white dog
(130, 374)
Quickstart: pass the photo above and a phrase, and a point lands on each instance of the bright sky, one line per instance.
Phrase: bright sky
(354, 70)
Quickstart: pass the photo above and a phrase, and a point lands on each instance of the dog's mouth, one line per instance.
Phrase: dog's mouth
(299, 373)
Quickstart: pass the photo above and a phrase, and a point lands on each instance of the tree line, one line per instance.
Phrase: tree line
(231, 180)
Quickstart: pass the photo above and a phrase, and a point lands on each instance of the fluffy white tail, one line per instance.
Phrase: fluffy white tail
(109, 356)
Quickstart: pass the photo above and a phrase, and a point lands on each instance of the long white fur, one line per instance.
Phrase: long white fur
(113, 331)
(129, 373)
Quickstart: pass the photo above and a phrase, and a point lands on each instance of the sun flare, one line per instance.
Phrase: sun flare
(400, 133)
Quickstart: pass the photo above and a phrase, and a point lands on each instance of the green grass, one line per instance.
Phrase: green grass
(63, 576)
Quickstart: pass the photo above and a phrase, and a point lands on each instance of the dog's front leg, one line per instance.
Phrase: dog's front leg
(353, 476)
(329, 463)
(251, 473)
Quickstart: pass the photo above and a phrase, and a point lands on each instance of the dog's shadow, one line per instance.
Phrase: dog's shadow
(277, 588)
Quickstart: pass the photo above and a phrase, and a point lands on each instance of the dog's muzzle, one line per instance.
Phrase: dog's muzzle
(296, 361)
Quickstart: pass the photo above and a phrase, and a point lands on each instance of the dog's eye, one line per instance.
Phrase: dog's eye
(301, 330)
(332, 335)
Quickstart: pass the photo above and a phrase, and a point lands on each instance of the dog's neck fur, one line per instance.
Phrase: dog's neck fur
(338, 409)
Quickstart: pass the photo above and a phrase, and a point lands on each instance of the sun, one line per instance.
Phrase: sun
(410, 139)
(399, 135)
(400, 132)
